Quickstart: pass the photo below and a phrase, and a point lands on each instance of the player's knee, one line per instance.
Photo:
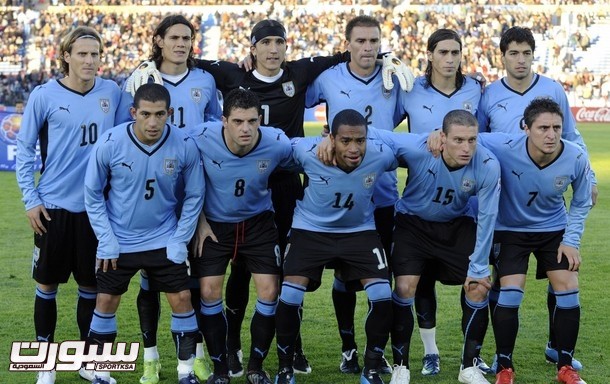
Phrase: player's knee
(107, 303)
(211, 292)
(510, 297)
(180, 301)
(404, 287)
(267, 291)
(478, 296)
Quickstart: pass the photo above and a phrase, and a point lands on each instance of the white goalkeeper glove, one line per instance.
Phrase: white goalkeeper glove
(141, 76)
(393, 66)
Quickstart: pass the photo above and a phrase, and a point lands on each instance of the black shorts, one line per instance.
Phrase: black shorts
(252, 243)
(418, 242)
(69, 246)
(163, 274)
(513, 250)
(358, 255)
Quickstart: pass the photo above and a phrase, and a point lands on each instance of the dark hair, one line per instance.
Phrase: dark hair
(435, 38)
(161, 30)
(349, 117)
(459, 117)
(68, 41)
(517, 35)
(360, 21)
(152, 92)
(539, 106)
(240, 98)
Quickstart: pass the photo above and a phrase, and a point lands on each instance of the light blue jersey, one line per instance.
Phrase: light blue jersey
(501, 108)
(67, 123)
(193, 98)
(532, 197)
(341, 89)
(140, 182)
(425, 107)
(435, 192)
(336, 201)
(236, 186)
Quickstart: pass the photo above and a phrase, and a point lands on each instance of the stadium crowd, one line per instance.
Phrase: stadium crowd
(310, 33)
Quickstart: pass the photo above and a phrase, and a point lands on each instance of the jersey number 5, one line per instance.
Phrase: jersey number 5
(150, 190)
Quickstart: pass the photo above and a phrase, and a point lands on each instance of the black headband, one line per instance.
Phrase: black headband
(267, 30)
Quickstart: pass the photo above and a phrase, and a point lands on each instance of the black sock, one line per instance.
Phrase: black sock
(45, 315)
(149, 310)
(345, 307)
(377, 327)
(214, 328)
(506, 326)
(402, 329)
(236, 300)
(196, 303)
(551, 302)
(288, 324)
(425, 302)
(262, 331)
(474, 326)
(84, 311)
(566, 325)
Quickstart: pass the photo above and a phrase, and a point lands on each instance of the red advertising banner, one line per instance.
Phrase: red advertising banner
(591, 114)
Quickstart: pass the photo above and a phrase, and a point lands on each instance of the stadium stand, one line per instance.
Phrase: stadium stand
(570, 38)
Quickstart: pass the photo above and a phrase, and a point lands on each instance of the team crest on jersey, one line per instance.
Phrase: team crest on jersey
(169, 166)
(467, 185)
(560, 183)
(467, 106)
(196, 94)
(288, 88)
(262, 165)
(105, 105)
(369, 180)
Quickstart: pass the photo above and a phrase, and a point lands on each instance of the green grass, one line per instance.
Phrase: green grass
(320, 336)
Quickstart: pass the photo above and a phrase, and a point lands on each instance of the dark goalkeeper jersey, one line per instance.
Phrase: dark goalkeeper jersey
(283, 100)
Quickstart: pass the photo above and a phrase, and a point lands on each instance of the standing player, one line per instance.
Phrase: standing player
(358, 84)
(537, 169)
(67, 116)
(501, 110)
(432, 225)
(239, 155)
(334, 223)
(131, 196)
(443, 88)
(194, 100)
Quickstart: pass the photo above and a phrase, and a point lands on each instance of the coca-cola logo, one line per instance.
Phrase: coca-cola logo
(593, 114)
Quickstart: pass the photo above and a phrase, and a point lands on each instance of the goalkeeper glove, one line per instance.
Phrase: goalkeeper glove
(141, 76)
(393, 66)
